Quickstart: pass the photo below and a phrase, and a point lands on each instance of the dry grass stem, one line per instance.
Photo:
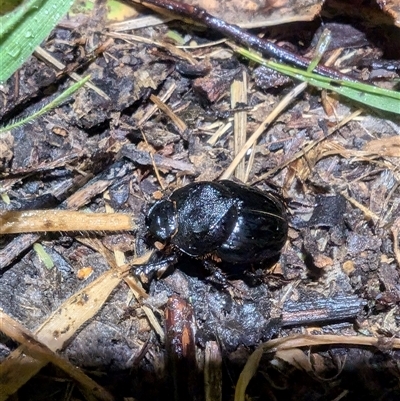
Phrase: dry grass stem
(35, 349)
(32, 221)
(49, 59)
(260, 130)
(239, 97)
(308, 147)
(138, 23)
(300, 341)
(179, 123)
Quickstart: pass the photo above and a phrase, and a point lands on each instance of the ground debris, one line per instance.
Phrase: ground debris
(338, 272)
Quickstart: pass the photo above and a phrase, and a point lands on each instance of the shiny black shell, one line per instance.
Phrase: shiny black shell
(234, 222)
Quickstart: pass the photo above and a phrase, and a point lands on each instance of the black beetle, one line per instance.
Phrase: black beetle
(222, 221)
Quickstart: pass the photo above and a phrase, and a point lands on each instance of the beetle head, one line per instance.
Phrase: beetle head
(161, 220)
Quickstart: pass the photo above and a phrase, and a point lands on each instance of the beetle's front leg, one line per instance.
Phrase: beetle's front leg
(147, 271)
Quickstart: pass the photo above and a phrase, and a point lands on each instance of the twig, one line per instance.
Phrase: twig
(253, 138)
(44, 55)
(308, 147)
(180, 125)
(368, 214)
(92, 188)
(395, 232)
(58, 328)
(239, 35)
(31, 221)
(239, 96)
(298, 341)
(35, 348)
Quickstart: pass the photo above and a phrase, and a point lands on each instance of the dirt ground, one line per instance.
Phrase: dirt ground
(338, 273)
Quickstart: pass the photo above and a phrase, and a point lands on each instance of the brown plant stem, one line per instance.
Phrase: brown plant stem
(266, 47)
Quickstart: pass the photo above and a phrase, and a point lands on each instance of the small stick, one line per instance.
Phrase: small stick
(30, 221)
(92, 188)
(239, 35)
(395, 232)
(38, 350)
(333, 309)
(181, 349)
(260, 130)
(213, 371)
(239, 96)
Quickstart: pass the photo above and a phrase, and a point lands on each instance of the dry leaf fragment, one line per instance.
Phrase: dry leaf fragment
(6, 148)
(295, 357)
(389, 147)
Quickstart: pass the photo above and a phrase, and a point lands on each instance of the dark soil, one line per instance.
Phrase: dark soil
(338, 259)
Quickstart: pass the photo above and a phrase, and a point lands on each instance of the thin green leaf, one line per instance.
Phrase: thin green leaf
(54, 103)
(12, 18)
(23, 29)
(322, 46)
(43, 256)
(5, 198)
(373, 96)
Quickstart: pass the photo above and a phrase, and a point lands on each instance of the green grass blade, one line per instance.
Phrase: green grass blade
(322, 45)
(25, 28)
(372, 96)
(54, 103)
(15, 16)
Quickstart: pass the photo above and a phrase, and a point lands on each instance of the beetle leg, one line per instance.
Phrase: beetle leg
(218, 277)
(254, 278)
(147, 271)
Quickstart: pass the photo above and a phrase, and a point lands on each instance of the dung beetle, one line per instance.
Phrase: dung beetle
(220, 221)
